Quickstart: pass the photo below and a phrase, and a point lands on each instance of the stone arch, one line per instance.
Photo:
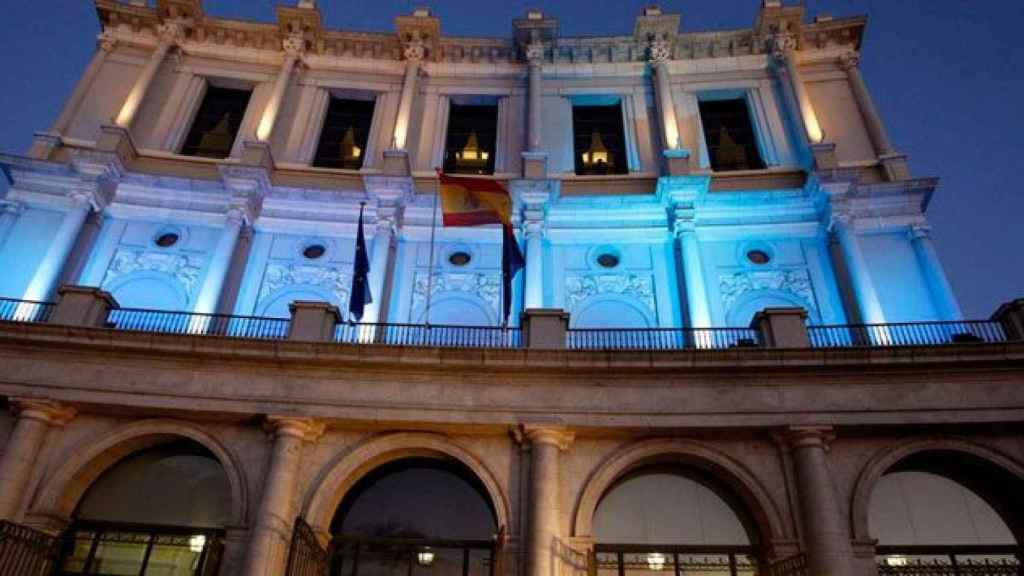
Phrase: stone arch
(887, 457)
(628, 313)
(762, 509)
(745, 307)
(86, 461)
(347, 468)
(150, 289)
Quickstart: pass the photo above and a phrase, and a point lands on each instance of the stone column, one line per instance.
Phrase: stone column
(857, 265)
(785, 55)
(693, 271)
(876, 129)
(169, 32)
(272, 527)
(535, 159)
(660, 53)
(48, 272)
(380, 265)
(533, 294)
(220, 259)
(10, 211)
(414, 52)
(827, 542)
(293, 46)
(938, 284)
(547, 442)
(34, 420)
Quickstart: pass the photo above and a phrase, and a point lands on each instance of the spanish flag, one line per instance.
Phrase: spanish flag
(478, 202)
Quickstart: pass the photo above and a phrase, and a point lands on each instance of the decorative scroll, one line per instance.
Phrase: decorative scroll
(794, 282)
(637, 286)
(185, 268)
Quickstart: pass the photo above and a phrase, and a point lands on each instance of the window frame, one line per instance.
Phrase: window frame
(325, 105)
(627, 102)
(316, 116)
(454, 100)
(197, 84)
(764, 137)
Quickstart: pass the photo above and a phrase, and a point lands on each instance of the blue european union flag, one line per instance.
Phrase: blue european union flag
(360, 296)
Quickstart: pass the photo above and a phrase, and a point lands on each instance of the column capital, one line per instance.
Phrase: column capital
(849, 61)
(919, 230)
(106, 41)
(11, 207)
(303, 428)
(47, 411)
(414, 50)
(534, 53)
(840, 220)
(659, 52)
(806, 436)
(558, 436)
(783, 44)
(172, 30)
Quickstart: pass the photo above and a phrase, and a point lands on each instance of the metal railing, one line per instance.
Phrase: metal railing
(25, 310)
(792, 566)
(306, 557)
(191, 323)
(950, 561)
(906, 334)
(443, 336)
(661, 338)
(25, 551)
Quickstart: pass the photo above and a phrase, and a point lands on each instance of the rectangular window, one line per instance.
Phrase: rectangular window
(599, 141)
(729, 135)
(217, 122)
(471, 140)
(345, 134)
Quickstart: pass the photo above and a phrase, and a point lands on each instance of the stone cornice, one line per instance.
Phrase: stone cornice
(131, 24)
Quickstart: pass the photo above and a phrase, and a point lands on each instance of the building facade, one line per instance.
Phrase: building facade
(733, 348)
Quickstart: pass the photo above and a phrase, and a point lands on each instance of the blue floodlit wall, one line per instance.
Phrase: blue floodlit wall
(277, 273)
(902, 288)
(126, 262)
(24, 239)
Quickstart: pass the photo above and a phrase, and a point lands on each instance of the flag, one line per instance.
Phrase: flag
(360, 296)
(477, 202)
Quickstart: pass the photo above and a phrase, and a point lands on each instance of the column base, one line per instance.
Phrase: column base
(677, 161)
(895, 167)
(824, 156)
(535, 165)
(396, 163)
(118, 141)
(256, 153)
(43, 145)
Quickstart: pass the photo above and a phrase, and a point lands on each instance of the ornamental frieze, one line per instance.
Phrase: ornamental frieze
(796, 283)
(185, 268)
(485, 286)
(639, 287)
(328, 278)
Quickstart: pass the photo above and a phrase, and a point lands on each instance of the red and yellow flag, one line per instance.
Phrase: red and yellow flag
(474, 201)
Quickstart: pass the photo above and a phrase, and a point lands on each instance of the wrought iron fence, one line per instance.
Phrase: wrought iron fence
(306, 556)
(621, 559)
(444, 336)
(661, 338)
(950, 561)
(251, 327)
(26, 552)
(25, 310)
(792, 566)
(906, 334)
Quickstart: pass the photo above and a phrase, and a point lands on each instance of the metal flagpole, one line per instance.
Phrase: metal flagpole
(433, 231)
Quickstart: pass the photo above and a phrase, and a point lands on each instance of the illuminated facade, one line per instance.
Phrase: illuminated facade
(665, 179)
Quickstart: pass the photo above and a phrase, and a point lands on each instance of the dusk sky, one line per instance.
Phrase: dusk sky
(947, 75)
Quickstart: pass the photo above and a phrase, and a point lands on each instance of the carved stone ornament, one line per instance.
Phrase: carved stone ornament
(535, 52)
(484, 286)
(414, 50)
(184, 268)
(849, 60)
(171, 30)
(294, 44)
(783, 43)
(659, 51)
(640, 287)
(106, 41)
(329, 278)
(797, 283)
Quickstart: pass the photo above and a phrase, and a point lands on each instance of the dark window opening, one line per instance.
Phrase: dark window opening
(599, 141)
(345, 134)
(459, 258)
(216, 123)
(167, 240)
(314, 251)
(608, 260)
(471, 141)
(758, 257)
(730, 137)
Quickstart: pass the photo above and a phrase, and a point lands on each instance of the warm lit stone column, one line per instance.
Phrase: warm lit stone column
(547, 442)
(876, 128)
(293, 47)
(49, 268)
(660, 54)
(935, 276)
(827, 542)
(785, 55)
(35, 418)
(170, 32)
(220, 260)
(414, 53)
(380, 265)
(272, 527)
(857, 265)
(535, 63)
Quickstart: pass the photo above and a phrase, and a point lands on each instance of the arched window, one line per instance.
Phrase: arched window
(674, 520)
(157, 512)
(415, 517)
(944, 511)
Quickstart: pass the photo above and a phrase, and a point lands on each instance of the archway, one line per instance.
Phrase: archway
(667, 504)
(944, 505)
(161, 510)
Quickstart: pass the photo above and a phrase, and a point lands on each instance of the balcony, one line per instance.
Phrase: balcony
(544, 329)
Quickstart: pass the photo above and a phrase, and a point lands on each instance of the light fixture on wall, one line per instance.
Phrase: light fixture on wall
(471, 155)
(597, 154)
(656, 561)
(425, 557)
(197, 543)
(349, 150)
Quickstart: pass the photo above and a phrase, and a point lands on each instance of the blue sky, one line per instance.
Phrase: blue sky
(947, 75)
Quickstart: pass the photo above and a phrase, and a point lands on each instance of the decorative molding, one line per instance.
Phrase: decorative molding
(849, 60)
(579, 288)
(485, 286)
(795, 282)
(186, 269)
(330, 278)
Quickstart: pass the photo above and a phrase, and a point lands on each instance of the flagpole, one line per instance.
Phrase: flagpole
(433, 231)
